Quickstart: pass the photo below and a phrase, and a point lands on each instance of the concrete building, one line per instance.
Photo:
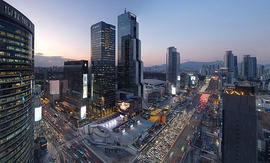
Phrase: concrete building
(239, 130)
(52, 90)
(153, 90)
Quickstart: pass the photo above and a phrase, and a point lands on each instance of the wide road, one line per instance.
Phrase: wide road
(181, 140)
(73, 155)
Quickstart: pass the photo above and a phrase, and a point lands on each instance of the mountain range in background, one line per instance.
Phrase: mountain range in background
(50, 61)
(192, 65)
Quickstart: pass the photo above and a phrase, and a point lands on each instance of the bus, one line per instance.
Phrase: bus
(171, 155)
(81, 153)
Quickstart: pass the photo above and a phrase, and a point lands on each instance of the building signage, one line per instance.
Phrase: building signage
(85, 88)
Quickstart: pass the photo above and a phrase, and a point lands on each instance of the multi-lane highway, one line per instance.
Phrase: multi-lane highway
(176, 153)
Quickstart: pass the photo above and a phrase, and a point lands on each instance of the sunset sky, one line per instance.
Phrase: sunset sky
(200, 30)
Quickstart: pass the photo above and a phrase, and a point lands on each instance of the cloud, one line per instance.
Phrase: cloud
(185, 60)
(47, 61)
(39, 54)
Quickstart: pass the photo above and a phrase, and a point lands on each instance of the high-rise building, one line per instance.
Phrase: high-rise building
(16, 85)
(239, 130)
(229, 60)
(172, 70)
(76, 74)
(249, 67)
(235, 67)
(229, 64)
(260, 71)
(103, 68)
(130, 66)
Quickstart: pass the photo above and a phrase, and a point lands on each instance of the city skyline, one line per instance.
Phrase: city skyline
(200, 31)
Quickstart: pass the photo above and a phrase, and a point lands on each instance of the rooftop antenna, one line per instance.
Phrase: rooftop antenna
(125, 10)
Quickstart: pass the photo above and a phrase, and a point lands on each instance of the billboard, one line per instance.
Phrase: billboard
(38, 113)
(54, 87)
(85, 88)
(173, 90)
(193, 78)
(83, 112)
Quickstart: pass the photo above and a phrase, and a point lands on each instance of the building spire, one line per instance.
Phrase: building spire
(125, 10)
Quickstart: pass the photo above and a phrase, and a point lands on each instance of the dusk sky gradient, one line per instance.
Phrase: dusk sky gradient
(200, 30)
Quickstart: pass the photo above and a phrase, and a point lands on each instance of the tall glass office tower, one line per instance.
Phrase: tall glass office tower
(172, 69)
(130, 72)
(103, 68)
(16, 83)
(229, 64)
(249, 67)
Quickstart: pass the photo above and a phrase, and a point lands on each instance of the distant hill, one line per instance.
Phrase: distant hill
(196, 65)
(187, 65)
(267, 66)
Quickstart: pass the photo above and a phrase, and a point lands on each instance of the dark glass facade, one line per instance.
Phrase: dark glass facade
(172, 69)
(16, 81)
(235, 64)
(130, 73)
(103, 68)
(76, 73)
(249, 67)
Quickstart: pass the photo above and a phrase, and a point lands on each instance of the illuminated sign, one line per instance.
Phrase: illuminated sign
(83, 112)
(17, 16)
(178, 77)
(193, 78)
(173, 90)
(92, 88)
(85, 88)
(124, 105)
(54, 87)
(38, 114)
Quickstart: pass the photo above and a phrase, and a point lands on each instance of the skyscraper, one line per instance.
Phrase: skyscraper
(103, 68)
(249, 67)
(260, 71)
(16, 83)
(172, 69)
(239, 130)
(229, 64)
(235, 67)
(130, 66)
